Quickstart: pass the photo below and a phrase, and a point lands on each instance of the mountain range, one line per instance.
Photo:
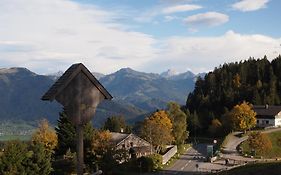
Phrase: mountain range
(135, 94)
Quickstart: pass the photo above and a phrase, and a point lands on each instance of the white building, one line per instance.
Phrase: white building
(268, 116)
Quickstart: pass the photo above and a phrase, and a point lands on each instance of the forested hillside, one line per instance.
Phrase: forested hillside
(256, 81)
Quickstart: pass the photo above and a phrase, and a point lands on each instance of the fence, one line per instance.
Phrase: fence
(168, 155)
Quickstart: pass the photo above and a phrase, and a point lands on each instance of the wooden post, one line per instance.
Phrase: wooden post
(80, 93)
(80, 153)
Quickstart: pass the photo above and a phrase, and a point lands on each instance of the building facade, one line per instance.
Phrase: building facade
(135, 145)
(268, 116)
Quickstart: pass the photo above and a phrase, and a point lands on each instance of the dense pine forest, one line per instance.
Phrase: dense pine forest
(257, 81)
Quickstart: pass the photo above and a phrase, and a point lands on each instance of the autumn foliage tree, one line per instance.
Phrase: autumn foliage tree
(259, 142)
(242, 117)
(46, 136)
(157, 129)
(101, 142)
(179, 121)
(104, 154)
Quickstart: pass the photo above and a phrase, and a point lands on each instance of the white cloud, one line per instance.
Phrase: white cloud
(166, 10)
(208, 18)
(49, 35)
(250, 5)
(204, 53)
(169, 18)
(192, 30)
(180, 8)
(56, 33)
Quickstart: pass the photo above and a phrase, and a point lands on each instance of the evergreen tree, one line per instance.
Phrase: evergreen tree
(215, 129)
(66, 135)
(195, 122)
(39, 161)
(116, 124)
(256, 81)
(13, 158)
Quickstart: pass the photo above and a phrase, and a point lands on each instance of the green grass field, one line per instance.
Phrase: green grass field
(255, 169)
(274, 152)
(15, 137)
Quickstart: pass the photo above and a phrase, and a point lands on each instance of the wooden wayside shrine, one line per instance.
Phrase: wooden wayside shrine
(80, 93)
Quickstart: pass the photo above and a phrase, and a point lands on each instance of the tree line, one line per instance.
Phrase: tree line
(53, 150)
(257, 81)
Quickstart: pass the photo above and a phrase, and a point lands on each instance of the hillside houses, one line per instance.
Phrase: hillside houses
(268, 116)
(135, 145)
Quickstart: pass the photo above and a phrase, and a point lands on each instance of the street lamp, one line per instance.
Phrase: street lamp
(215, 141)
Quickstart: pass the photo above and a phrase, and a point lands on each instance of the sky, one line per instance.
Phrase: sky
(47, 36)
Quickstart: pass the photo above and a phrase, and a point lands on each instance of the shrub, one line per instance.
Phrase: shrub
(145, 164)
(157, 161)
(259, 142)
(150, 163)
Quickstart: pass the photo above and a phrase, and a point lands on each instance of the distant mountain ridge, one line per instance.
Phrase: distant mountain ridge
(169, 73)
(148, 91)
(135, 93)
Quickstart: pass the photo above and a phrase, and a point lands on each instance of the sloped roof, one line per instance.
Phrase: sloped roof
(118, 137)
(266, 110)
(143, 149)
(66, 78)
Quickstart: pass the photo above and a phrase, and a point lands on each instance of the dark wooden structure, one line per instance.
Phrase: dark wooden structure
(80, 93)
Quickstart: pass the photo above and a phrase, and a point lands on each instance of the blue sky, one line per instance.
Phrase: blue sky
(147, 35)
(260, 20)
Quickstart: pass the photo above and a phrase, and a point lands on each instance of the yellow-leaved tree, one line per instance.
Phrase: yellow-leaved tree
(259, 142)
(45, 135)
(242, 117)
(236, 81)
(157, 129)
(101, 142)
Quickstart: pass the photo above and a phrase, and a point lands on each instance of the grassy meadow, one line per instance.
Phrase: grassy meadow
(15, 137)
(273, 153)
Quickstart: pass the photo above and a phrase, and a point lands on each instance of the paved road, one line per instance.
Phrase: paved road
(230, 151)
(234, 141)
(186, 164)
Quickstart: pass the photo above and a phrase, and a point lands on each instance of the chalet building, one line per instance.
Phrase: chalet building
(135, 145)
(268, 116)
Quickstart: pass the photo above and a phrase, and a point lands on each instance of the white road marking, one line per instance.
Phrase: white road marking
(185, 165)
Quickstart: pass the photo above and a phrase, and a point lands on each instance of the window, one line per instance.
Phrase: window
(266, 121)
(258, 121)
